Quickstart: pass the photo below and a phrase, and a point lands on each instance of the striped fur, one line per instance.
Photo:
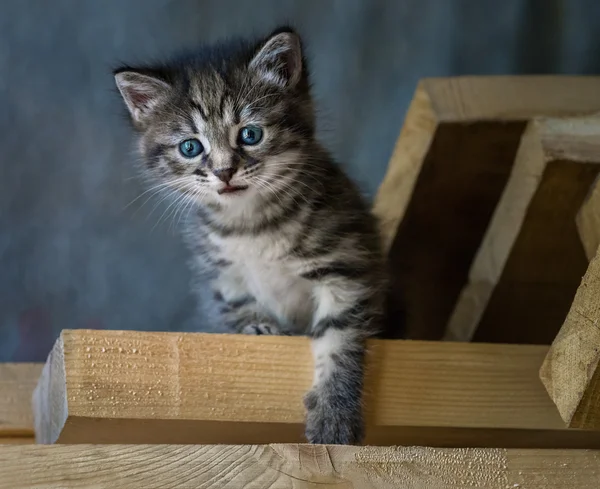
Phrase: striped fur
(297, 251)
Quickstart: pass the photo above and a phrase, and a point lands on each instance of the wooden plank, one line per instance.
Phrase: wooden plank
(525, 274)
(570, 371)
(134, 387)
(17, 381)
(297, 466)
(446, 175)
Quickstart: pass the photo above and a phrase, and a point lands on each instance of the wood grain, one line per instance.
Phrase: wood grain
(135, 387)
(525, 274)
(293, 466)
(447, 172)
(570, 371)
(17, 381)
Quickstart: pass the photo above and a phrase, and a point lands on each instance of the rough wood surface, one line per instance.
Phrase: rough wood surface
(446, 175)
(134, 387)
(571, 371)
(293, 466)
(525, 274)
(17, 381)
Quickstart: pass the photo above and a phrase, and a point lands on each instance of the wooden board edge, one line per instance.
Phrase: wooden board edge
(512, 97)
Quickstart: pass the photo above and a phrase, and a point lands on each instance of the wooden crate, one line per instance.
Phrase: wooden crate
(448, 171)
(531, 260)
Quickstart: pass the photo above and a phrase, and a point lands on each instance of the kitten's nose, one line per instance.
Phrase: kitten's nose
(225, 175)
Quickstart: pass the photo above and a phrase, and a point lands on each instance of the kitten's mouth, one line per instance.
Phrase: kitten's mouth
(231, 189)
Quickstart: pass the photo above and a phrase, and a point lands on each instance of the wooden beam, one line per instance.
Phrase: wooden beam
(530, 263)
(134, 387)
(299, 466)
(571, 371)
(17, 381)
(448, 170)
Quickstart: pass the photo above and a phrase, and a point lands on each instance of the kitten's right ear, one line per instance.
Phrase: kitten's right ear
(142, 93)
(279, 60)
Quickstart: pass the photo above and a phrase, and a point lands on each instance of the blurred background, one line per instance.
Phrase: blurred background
(74, 254)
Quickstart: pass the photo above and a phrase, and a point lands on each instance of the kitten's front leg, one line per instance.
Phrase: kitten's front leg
(334, 405)
(245, 316)
(241, 313)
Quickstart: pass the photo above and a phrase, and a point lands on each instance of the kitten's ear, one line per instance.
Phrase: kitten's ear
(142, 93)
(279, 60)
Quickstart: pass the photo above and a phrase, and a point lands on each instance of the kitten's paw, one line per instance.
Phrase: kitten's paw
(261, 328)
(333, 420)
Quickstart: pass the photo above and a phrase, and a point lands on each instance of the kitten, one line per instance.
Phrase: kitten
(284, 236)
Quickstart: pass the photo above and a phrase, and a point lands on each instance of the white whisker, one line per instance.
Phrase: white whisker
(159, 186)
(175, 202)
(176, 193)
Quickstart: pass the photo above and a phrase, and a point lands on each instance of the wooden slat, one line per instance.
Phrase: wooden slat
(525, 274)
(134, 387)
(571, 370)
(17, 381)
(446, 175)
(297, 466)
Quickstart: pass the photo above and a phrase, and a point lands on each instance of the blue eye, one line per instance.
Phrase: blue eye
(190, 148)
(250, 135)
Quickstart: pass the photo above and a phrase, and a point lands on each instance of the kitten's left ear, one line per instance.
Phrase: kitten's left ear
(279, 60)
(141, 92)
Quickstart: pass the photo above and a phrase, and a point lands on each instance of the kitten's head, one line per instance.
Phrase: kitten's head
(225, 124)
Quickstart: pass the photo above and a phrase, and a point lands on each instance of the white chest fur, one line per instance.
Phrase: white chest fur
(262, 268)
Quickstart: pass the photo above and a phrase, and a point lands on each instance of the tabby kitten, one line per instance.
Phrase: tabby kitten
(282, 234)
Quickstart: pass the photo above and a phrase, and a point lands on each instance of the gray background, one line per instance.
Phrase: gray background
(73, 255)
